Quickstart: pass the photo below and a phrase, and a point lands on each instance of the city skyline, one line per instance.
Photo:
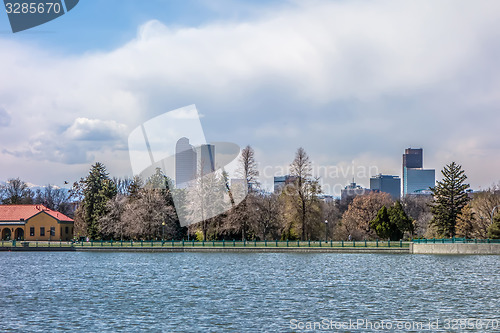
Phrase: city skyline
(191, 160)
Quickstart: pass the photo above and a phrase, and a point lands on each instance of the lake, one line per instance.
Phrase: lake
(247, 292)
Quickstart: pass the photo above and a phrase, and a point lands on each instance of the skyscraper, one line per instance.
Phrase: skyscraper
(387, 184)
(416, 179)
(207, 159)
(413, 158)
(185, 163)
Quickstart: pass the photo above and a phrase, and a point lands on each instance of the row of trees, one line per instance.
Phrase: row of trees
(17, 192)
(133, 208)
(124, 208)
(458, 213)
(452, 211)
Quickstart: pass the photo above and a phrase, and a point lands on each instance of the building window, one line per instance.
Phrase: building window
(52, 231)
(66, 230)
(42, 231)
(32, 231)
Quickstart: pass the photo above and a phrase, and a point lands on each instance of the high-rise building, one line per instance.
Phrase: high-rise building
(413, 158)
(185, 163)
(388, 184)
(352, 190)
(207, 159)
(416, 179)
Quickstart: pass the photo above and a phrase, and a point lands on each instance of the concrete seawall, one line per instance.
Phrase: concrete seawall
(247, 250)
(455, 248)
(37, 249)
(395, 250)
(415, 248)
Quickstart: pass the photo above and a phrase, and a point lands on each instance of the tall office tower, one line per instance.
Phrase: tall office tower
(185, 163)
(416, 179)
(413, 158)
(207, 159)
(388, 184)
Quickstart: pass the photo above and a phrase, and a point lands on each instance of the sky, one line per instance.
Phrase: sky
(352, 82)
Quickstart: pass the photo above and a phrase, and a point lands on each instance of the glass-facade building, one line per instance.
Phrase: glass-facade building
(413, 158)
(388, 184)
(207, 159)
(185, 163)
(416, 179)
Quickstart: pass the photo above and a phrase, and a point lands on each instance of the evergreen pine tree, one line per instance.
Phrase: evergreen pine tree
(383, 226)
(494, 228)
(398, 217)
(450, 197)
(98, 188)
(135, 187)
(392, 223)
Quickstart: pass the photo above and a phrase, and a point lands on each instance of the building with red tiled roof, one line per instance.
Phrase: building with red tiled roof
(34, 222)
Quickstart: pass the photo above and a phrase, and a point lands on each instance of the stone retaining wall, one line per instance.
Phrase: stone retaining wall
(455, 248)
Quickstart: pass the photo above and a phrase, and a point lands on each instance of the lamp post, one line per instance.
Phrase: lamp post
(326, 231)
(493, 212)
(163, 230)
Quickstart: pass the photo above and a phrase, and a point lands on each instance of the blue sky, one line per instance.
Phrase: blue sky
(104, 25)
(353, 82)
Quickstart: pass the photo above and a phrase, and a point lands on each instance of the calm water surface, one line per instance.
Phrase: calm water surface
(239, 292)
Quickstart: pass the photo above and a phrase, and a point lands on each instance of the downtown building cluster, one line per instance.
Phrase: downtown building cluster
(416, 180)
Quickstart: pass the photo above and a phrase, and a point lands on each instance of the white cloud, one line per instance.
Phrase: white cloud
(76, 145)
(340, 78)
(96, 130)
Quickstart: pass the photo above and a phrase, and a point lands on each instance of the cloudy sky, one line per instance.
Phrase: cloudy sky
(353, 82)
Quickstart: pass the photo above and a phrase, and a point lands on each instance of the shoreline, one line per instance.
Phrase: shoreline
(387, 250)
(414, 248)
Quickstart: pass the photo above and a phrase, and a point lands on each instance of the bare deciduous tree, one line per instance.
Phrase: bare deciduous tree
(112, 224)
(418, 208)
(16, 192)
(483, 204)
(305, 189)
(55, 198)
(266, 221)
(331, 213)
(362, 210)
(243, 216)
(248, 168)
(143, 217)
(123, 185)
(205, 199)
